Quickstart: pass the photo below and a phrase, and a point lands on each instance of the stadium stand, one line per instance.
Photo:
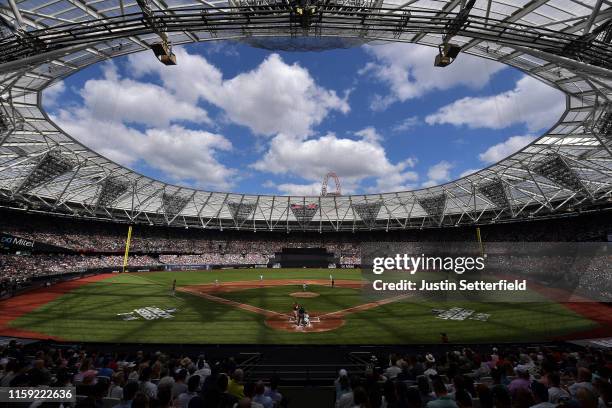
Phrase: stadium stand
(479, 376)
(79, 246)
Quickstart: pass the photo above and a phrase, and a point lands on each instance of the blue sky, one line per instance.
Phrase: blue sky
(232, 117)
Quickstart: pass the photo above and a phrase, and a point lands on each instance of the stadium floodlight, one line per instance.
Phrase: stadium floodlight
(557, 170)
(368, 212)
(10, 119)
(241, 211)
(434, 206)
(163, 52)
(583, 47)
(50, 166)
(304, 213)
(496, 193)
(603, 126)
(111, 189)
(302, 12)
(447, 53)
(173, 204)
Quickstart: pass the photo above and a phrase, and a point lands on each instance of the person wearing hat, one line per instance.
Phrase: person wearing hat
(301, 313)
(430, 366)
(296, 308)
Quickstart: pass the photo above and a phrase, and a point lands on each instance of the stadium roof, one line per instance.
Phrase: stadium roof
(565, 43)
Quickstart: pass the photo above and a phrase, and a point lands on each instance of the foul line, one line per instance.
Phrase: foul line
(365, 306)
(243, 306)
(156, 283)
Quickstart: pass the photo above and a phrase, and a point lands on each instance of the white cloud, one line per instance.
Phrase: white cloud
(531, 102)
(312, 189)
(226, 48)
(407, 124)
(370, 134)
(185, 156)
(502, 150)
(408, 71)
(438, 173)
(112, 103)
(52, 93)
(275, 97)
(353, 160)
(114, 98)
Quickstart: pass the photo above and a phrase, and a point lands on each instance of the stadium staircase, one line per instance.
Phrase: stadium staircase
(303, 366)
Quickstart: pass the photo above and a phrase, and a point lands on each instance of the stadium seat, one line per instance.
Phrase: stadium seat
(110, 402)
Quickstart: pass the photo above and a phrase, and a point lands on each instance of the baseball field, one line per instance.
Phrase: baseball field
(253, 306)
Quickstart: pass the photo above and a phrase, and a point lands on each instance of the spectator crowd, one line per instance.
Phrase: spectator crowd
(538, 377)
(479, 377)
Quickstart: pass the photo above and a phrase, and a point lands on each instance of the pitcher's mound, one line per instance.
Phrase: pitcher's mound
(317, 325)
(304, 294)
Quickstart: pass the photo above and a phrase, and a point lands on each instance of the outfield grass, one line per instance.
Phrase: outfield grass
(89, 314)
(278, 298)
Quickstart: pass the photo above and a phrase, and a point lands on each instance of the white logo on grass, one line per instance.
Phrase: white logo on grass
(148, 313)
(458, 313)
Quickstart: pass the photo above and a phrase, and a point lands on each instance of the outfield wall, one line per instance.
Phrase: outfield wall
(48, 280)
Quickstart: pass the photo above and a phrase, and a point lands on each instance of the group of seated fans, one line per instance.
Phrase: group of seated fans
(139, 380)
(513, 378)
(538, 377)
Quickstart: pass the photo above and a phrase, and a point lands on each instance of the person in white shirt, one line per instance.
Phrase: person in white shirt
(555, 392)
(203, 370)
(584, 381)
(146, 386)
(347, 399)
(116, 388)
(394, 367)
(431, 370)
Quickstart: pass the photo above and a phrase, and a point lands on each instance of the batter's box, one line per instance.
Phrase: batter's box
(311, 320)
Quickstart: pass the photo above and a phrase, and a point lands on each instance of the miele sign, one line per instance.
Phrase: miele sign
(9, 240)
